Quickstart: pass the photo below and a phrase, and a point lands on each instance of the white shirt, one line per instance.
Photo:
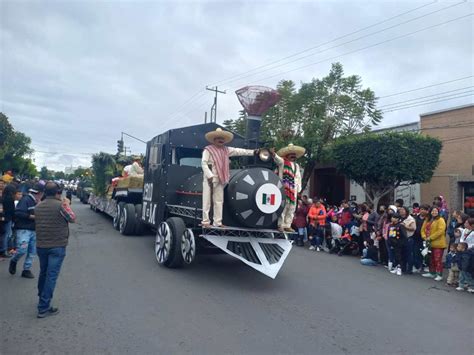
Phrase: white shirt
(467, 236)
(409, 222)
(336, 230)
(207, 161)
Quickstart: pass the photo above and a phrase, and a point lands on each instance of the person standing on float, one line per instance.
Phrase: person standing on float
(290, 174)
(215, 166)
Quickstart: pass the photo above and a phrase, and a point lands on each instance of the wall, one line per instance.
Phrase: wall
(455, 128)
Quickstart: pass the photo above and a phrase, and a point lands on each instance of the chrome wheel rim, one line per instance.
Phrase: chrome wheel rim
(188, 246)
(163, 243)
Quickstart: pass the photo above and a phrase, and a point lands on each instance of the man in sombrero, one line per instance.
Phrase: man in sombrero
(215, 166)
(290, 174)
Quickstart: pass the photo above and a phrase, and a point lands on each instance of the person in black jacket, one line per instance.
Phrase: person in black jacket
(25, 231)
(397, 237)
(466, 258)
(8, 213)
(369, 254)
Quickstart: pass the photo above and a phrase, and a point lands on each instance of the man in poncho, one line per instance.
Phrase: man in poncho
(215, 166)
(290, 175)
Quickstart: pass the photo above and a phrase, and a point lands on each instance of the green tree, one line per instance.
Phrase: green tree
(382, 162)
(103, 168)
(14, 149)
(317, 113)
(45, 174)
(58, 175)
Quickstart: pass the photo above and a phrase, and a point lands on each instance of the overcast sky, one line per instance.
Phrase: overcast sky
(74, 74)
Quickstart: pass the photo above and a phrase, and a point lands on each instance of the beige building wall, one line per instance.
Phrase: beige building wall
(455, 128)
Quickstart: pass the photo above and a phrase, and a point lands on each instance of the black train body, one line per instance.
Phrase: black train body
(173, 182)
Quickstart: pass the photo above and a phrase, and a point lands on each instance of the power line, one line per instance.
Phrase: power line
(348, 42)
(425, 87)
(424, 103)
(324, 43)
(423, 97)
(364, 48)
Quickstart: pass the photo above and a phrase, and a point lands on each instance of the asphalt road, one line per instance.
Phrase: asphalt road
(115, 298)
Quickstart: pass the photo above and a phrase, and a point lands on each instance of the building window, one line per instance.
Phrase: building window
(469, 198)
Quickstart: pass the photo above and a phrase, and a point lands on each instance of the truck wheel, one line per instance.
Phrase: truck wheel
(139, 225)
(118, 213)
(127, 219)
(188, 246)
(168, 242)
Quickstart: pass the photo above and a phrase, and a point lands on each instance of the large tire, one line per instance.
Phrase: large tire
(139, 225)
(118, 214)
(188, 246)
(127, 220)
(168, 243)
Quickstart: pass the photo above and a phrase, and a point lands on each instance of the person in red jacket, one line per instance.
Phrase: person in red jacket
(345, 214)
(317, 221)
(300, 222)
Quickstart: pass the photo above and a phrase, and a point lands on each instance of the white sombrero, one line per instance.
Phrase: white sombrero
(228, 136)
(290, 148)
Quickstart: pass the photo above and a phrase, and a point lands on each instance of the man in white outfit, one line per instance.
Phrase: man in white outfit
(290, 174)
(215, 166)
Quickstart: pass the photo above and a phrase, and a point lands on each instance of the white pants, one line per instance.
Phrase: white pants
(287, 215)
(216, 195)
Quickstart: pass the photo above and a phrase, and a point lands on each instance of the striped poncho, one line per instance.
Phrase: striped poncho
(289, 171)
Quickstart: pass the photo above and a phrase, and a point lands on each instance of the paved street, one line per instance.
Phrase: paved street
(114, 298)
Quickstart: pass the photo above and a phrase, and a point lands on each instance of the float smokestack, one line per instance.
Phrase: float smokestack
(256, 100)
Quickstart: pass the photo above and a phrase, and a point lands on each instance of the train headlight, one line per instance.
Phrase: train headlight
(264, 155)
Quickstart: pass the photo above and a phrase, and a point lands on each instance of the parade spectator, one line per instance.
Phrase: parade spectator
(317, 222)
(396, 237)
(373, 218)
(345, 215)
(452, 265)
(391, 210)
(53, 216)
(369, 254)
(467, 235)
(300, 222)
(434, 231)
(452, 225)
(336, 229)
(415, 209)
(25, 231)
(442, 205)
(417, 238)
(458, 234)
(466, 281)
(364, 233)
(399, 203)
(409, 224)
(8, 213)
(379, 238)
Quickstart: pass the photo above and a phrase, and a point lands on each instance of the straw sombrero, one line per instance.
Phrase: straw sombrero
(210, 136)
(290, 148)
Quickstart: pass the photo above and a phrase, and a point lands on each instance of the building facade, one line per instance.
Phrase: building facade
(454, 176)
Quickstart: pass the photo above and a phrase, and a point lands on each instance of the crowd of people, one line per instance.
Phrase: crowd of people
(423, 239)
(34, 221)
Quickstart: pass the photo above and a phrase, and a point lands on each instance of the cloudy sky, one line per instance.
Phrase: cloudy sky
(74, 74)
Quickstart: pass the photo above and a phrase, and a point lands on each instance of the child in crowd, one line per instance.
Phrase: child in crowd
(466, 281)
(457, 235)
(397, 237)
(415, 208)
(452, 265)
(369, 254)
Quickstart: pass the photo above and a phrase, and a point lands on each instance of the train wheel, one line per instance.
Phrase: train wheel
(177, 228)
(139, 225)
(127, 219)
(188, 246)
(163, 243)
(118, 214)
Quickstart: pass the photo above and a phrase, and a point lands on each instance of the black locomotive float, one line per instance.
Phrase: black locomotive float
(170, 203)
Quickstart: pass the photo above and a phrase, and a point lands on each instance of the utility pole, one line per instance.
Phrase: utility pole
(214, 106)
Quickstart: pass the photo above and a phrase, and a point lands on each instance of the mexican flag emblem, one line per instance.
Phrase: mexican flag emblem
(268, 199)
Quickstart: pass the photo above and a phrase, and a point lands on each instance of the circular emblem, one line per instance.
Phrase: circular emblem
(268, 198)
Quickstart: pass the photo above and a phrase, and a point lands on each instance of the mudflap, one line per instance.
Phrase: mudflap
(266, 255)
